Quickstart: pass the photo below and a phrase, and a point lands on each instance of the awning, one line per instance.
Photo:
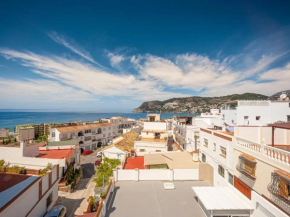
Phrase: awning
(223, 201)
(248, 157)
(282, 173)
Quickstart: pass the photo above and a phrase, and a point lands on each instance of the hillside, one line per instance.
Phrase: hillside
(195, 104)
(277, 95)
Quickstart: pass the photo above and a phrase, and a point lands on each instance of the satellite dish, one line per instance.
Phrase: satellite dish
(283, 96)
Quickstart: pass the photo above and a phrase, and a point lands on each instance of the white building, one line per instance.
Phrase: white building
(27, 195)
(31, 156)
(255, 113)
(122, 146)
(154, 138)
(90, 136)
(186, 129)
(217, 149)
(262, 171)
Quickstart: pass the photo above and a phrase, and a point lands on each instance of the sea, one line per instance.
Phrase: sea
(11, 118)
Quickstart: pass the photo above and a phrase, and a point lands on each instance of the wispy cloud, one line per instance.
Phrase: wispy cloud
(87, 78)
(73, 46)
(115, 59)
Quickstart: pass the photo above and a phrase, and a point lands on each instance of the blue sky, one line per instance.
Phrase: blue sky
(108, 56)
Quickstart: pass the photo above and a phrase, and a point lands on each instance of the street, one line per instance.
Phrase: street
(76, 202)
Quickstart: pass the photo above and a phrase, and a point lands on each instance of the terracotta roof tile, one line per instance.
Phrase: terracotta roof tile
(82, 127)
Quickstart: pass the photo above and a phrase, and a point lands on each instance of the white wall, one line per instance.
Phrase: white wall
(214, 158)
(263, 208)
(279, 111)
(156, 174)
(229, 116)
(155, 125)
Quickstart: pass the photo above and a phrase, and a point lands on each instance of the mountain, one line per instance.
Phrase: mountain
(194, 104)
(277, 95)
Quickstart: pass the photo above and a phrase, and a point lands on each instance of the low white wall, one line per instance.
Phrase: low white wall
(156, 174)
(263, 208)
(124, 175)
(185, 174)
(45, 183)
(155, 126)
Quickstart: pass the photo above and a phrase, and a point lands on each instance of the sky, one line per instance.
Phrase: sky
(110, 56)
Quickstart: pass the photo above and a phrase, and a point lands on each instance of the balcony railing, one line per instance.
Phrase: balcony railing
(265, 150)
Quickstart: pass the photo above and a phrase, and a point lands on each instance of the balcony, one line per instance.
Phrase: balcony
(264, 150)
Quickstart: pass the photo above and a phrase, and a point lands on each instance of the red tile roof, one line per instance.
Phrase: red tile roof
(41, 144)
(57, 154)
(9, 180)
(134, 163)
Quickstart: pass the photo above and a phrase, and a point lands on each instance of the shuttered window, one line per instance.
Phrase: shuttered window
(283, 188)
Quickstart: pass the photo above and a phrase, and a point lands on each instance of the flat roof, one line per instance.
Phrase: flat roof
(222, 198)
(174, 160)
(134, 163)
(150, 199)
(82, 127)
(12, 185)
(56, 154)
(67, 142)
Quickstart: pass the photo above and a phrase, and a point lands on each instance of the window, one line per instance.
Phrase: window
(288, 118)
(203, 158)
(246, 117)
(221, 171)
(53, 134)
(223, 152)
(99, 131)
(158, 150)
(109, 128)
(231, 179)
(247, 165)
(142, 150)
(214, 146)
(258, 118)
(104, 135)
(205, 143)
(87, 138)
(49, 200)
(109, 134)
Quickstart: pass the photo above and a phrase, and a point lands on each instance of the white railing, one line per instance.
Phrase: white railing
(250, 145)
(273, 153)
(277, 154)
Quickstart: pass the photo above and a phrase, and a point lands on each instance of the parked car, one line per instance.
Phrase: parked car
(99, 154)
(87, 152)
(57, 211)
(98, 163)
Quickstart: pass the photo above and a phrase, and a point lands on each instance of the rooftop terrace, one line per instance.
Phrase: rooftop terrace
(151, 199)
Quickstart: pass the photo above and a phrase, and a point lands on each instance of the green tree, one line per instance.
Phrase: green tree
(105, 171)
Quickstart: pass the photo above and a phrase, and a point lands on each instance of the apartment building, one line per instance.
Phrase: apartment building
(90, 136)
(154, 138)
(39, 129)
(255, 112)
(262, 167)
(25, 133)
(4, 133)
(186, 129)
(217, 149)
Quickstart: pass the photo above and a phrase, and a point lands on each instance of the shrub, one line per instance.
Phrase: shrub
(103, 195)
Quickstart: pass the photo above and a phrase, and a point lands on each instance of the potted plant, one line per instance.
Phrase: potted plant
(103, 195)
